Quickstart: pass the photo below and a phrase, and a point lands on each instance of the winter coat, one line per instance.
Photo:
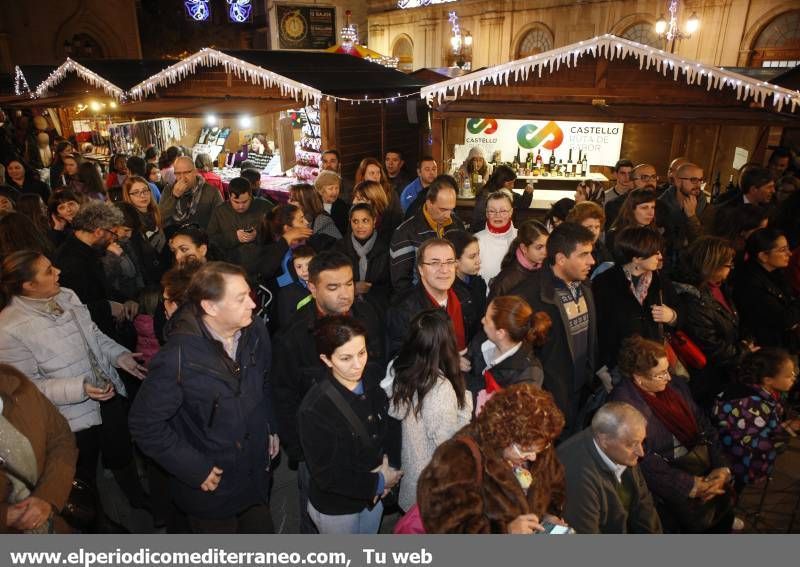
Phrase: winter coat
(403, 249)
(222, 232)
(297, 366)
(341, 462)
(53, 444)
(146, 340)
(493, 249)
(769, 310)
(475, 287)
(377, 270)
(593, 504)
(339, 213)
(199, 409)
(451, 501)
(509, 277)
(50, 350)
(439, 418)
(715, 330)
(402, 311)
(518, 368)
(620, 315)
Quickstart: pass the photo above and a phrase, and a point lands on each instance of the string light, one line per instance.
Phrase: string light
(610, 47)
(90, 77)
(20, 82)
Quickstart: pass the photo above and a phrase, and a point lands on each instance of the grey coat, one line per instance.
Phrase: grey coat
(593, 505)
(50, 350)
(209, 199)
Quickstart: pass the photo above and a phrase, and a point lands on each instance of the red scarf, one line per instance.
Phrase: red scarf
(674, 412)
(502, 230)
(454, 312)
(719, 297)
(490, 383)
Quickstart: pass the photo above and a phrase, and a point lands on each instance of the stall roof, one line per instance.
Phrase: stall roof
(697, 76)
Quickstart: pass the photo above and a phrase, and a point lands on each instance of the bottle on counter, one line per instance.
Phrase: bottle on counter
(560, 168)
(568, 167)
(552, 163)
(466, 188)
(584, 166)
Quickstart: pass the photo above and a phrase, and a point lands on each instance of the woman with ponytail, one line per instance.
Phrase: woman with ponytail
(503, 354)
(525, 255)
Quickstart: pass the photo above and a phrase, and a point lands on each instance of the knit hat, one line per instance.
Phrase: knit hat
(326, 178)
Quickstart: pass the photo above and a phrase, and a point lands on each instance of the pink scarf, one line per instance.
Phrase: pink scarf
(525, 263)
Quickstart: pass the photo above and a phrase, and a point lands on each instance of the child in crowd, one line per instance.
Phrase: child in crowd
(295, 295)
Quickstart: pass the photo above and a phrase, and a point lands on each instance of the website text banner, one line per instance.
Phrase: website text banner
(601, 141)
(389, 551)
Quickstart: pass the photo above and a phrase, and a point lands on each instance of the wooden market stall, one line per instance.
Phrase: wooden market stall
(665, 106)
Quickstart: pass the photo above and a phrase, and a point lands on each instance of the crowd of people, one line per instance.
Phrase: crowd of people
(626, 365)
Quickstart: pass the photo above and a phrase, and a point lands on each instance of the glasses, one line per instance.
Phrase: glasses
(661, 376)
(436, 264)
(502, 212)
(646, 178)
(693, 180)
(138, 193)
(111, 233)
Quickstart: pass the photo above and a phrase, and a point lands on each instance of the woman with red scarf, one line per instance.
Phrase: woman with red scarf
(500, 232)
(684, 465)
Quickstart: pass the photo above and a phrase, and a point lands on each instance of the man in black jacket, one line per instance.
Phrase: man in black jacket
(559, 289)
(436, 219)
(205, 411)
(297, 365)
(606, 491)
(436, 266)
(78, 258)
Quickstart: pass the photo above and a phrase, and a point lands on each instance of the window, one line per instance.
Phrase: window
(644, 33)
(404, 51)
(537, 40)
(778, 44)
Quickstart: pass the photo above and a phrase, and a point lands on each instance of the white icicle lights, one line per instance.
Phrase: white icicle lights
(208, 57)
(611, 47)
(58, 75)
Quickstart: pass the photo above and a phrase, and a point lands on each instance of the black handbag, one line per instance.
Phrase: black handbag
(80, 511)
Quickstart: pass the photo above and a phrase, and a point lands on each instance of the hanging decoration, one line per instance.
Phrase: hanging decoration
(612, 47)
(208, 57)
(348, 37)
(20, 82)
(403, 4)
(87, 75)
(239, 11)
(349, 33)
(198, 10)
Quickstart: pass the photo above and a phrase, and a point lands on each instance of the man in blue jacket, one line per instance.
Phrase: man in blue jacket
(204, 413)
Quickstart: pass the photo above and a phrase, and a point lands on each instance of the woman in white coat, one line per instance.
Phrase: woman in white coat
(498, 235)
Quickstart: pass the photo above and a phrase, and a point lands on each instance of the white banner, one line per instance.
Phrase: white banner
(601, 141)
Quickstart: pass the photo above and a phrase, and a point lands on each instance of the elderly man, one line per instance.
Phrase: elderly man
(190, 200)
(644, 176)
(205, 411)
(606, 492)
(332, 161)
(435, 219)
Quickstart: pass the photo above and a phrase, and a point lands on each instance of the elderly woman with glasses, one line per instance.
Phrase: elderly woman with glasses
(500, 473)
(683, 464)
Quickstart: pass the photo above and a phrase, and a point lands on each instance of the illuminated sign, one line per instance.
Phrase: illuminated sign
(239, 11)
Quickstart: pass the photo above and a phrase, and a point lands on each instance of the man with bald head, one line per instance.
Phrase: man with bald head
(684, 211)
(190, 200)
(606, 491)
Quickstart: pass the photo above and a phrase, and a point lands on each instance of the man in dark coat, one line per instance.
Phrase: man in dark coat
(606, 492)
(205, 411)
(560, 290)
(297, 365)
(190, 200)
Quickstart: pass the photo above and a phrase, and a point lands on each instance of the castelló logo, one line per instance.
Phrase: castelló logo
(529, 136)
(482, 125)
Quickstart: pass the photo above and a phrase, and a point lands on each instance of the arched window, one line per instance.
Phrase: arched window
(404, 51)
(537, 40)
(644, 33)
(83, 46)
(778, 44)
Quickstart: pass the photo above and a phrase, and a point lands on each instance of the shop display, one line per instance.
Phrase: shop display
(133, 137)
(308, 149)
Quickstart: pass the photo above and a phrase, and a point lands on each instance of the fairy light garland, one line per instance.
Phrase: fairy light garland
(611, 47)
(70, 66)
(20, 82)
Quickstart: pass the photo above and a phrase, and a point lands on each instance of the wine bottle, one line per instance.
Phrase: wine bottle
(570, 168)
(539, 159)
(584, 166)
(560, 170)
(552, 163)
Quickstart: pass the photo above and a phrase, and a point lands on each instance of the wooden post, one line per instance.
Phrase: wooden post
(437, 139)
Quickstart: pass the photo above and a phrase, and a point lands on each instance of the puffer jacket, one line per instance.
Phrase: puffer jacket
(198, 409)
(50, 350)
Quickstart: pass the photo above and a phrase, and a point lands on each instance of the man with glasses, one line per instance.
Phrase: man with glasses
(190, 200)
(79, 259)
(683, 211)
(436, 266)
(435, 219)
(644, 176)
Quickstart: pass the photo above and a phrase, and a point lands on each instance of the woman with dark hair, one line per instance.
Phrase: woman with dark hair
(592, 216)
(344, 432)
(638, 209)
(736, 224)
(501, 179)
(768, 307)
(62, 149)
(153, 175)
(70, 179)
(117, 171)
(683, 464)
(285, 227)
(62, 208)
(205, 167)
(750, 414)
(525, 255)
(17, 232)
(370, 257)
(633, 297)
(370, 169)
(386, 219)
(468, 267)
(304, 196)
(503, 354)
(39, 457)
(167, 164)
(427, 394)
(89, 183)
(33, 207)
(557, 213)
(137, 192)
(20, 176)
(190, 244)
(500, 473)
(710, 318)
